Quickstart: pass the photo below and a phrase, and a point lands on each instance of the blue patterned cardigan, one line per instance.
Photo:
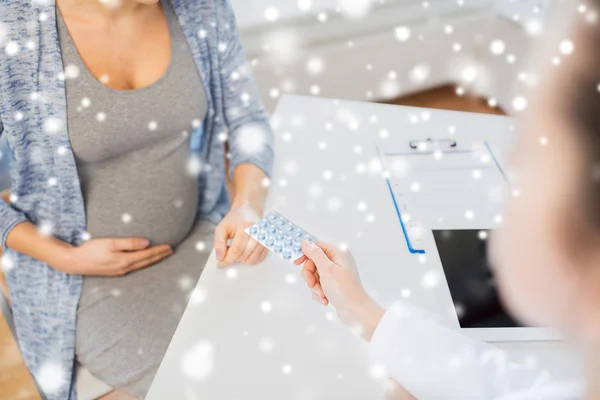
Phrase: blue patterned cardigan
(33, 119)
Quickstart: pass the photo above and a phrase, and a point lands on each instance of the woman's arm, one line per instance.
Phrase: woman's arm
(250, 134)
(250, 143)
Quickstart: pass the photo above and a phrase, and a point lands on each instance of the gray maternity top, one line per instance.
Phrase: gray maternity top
(131, 149)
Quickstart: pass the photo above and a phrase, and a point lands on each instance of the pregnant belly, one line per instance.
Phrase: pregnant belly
(157, 202)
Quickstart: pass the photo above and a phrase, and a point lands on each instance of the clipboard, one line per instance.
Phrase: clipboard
(429, 152)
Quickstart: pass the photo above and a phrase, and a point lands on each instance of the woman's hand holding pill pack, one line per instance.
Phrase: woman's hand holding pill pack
(330, 273)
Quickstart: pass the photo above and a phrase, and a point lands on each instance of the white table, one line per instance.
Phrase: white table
(227, 346)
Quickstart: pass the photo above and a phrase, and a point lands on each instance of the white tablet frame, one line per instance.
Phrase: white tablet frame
(448, 312)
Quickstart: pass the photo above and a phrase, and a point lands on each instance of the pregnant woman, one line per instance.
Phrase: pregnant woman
(123, 119)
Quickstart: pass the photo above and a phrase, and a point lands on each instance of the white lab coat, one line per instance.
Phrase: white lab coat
(434, 361)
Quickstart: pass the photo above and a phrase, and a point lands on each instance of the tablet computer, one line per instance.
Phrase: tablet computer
(472, 288)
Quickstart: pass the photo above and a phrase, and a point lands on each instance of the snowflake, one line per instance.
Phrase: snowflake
(389, 88)
(101, 117)
(198, 362)
(305, 5)
(469, 214)
(271, 14)
(13, 198)
(362, 206)
(152, 125)
(327, 175)
(53, 125)
(126, 218)
(377, 372)
(498, 219)
(384, 133)
(456, 47)
(198, 296)
(290, 279)
(370, 218)
(519, 103)
(251, 139)
(543, 140)
(492, 102)
(322, 17)
(274, 93)
(448, 29)
(12, 48)
(86, 102)
(422, 258)
(52, 181)
(45, 228)
(566, 47)
(194, 165)
(85, 236)
(202, 33)
(104, 78)
(51, 377)
(420, 73)
(476, 174)
(482, 235)
(511, 58)
(354, 9)
(266, 307)
(286, 369)
(415, 187)
(406, 293)
(430, 280)
(200, 246)
(231, 273)
(7, 262)
(185, 282)
(315, 90)
(266, 345)
(402, 33)
(315, 66)
(322, 145)
(329, 316)
(71, 71)
(469, 74)
(497, 47)
(115, 292)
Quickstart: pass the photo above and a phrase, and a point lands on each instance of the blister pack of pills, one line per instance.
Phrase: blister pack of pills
(280, 235)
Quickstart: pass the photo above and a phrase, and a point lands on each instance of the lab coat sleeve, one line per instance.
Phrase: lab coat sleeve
(434, 361)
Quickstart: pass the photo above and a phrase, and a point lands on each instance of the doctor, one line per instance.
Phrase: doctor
(546, 256)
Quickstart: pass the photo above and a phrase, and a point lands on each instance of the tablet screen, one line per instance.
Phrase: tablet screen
(464, 259)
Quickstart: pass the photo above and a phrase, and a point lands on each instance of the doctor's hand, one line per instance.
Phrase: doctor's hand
(332, 275)
(243, 248)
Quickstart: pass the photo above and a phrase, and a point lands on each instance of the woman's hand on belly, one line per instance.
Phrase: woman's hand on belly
(243, 248)
(112, 256)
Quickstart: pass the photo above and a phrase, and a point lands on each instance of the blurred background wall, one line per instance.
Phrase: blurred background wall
(383, 49)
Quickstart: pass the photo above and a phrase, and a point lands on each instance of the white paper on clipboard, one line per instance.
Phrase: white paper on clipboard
(458, 188)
